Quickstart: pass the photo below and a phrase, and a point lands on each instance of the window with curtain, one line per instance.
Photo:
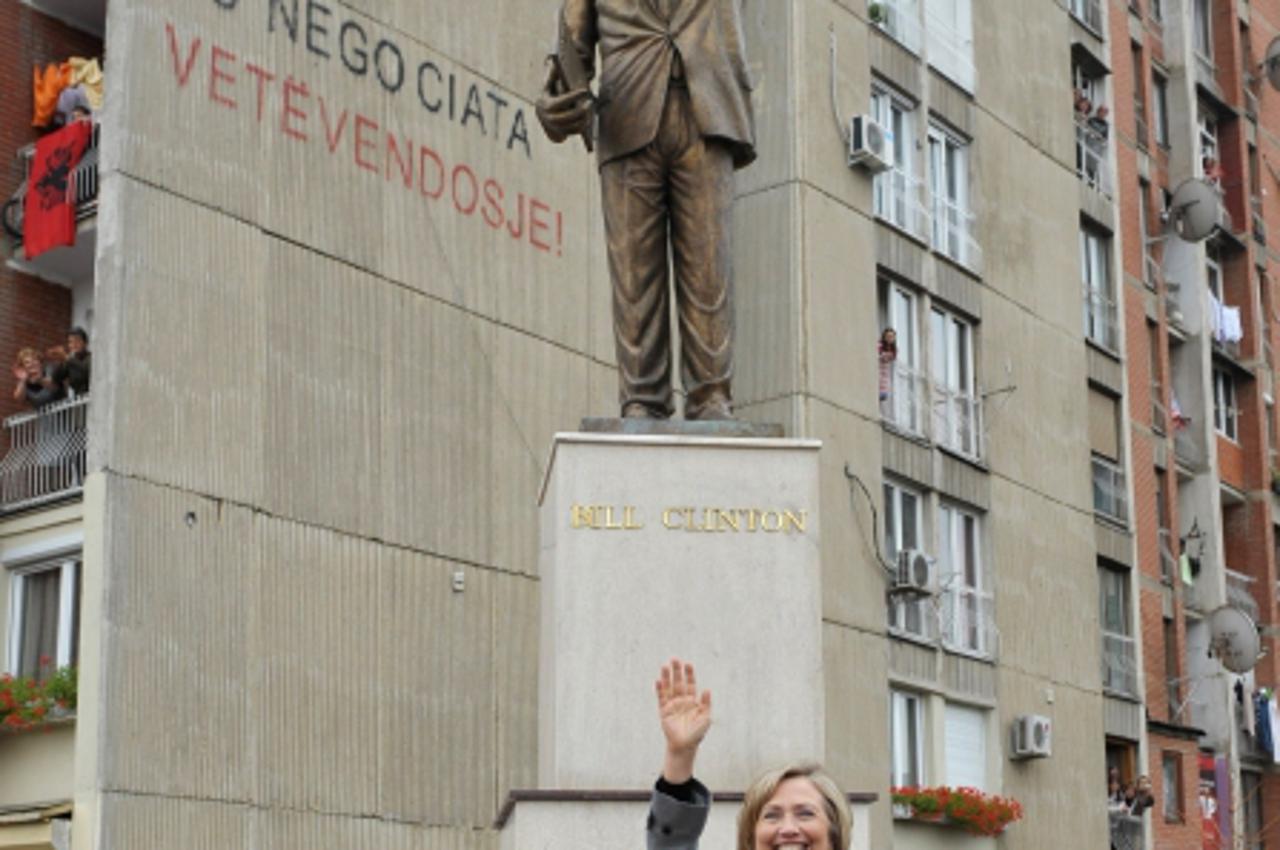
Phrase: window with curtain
(967, 621)
(44, 618)
(906, 738)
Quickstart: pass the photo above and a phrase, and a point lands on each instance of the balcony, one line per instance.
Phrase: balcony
(957, 421)
(1168, 564)
(898, 19)
(1089, 13)
(1092, 161)
(1126, 831)
(1109, 498)
(904, 409)
(1100, 319)
(966, 621)
(897, 201)
(1240, 593)
(1119, 665)
(953, 233)
(46, 457)
(1159, 415)
(74, 262)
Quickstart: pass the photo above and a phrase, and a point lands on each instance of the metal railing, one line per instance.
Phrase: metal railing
(1240, 593)
(953, 233)
(899, 20)
(1092, 160)
(1159, 415)
(957, 421)
(905, 406)
(966, 620)
(82, 185)
(1109, 497)
(915, 617)
(897, 200)
(1100, 319)
(1087, 12)
(1150, 270)
(46, 457)
(1126, 831)
(1119, 664)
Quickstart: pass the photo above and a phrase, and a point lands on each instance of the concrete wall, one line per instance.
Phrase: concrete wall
(321, 392)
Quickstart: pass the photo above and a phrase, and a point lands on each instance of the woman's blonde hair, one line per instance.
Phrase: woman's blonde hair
(763, 789)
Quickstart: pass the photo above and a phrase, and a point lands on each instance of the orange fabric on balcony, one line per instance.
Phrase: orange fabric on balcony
(46, 86)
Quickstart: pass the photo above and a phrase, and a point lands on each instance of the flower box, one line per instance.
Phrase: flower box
(974, 811)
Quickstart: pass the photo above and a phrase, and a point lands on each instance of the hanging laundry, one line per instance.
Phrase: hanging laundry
(1273, 717)
(1230, 328)
(1250, 708)
(1180, 420)
(1184, 567)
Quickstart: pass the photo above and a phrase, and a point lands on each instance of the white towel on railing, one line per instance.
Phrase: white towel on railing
(1230, 328)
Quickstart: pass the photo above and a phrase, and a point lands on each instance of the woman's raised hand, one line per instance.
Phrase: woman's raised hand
(685, 715)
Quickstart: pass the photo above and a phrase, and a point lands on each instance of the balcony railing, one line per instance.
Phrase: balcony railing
(905, 406)
(1109, 498)
(1092, 162)
(953, 233)
(897, 201)
(1100, 319)
(1119, 664)
(46, 457)
(1240, 594)
(1150, 270)
(1126, 831)
(1088, 12)
(900, 20)
(82, 185)
(957, 421)
(967, 621)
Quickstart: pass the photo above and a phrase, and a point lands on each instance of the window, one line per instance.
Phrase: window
(949, 40)
(906, 738)
(1207, 131)
(1225, 413)
(44, 618)
(965, 602)
(957, 412)
(902, 530)
(1156, 10)
(948, 185)
(1160, 107)
(965, 747)
(1139, 95)
(1171, 786)
(1099, 307)
(1172, 678)
(1119, 668)
(1201, 30)
(896, 193)
(1088, 12)
(903, 403)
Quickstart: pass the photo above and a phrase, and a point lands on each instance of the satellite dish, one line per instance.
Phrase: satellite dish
(1233, 638)
(1271, 64)
(1195, 210)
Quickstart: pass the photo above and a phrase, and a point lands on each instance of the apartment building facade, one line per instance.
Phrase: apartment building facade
(343, 293)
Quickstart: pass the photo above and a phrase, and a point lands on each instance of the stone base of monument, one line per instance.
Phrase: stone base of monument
(662, 540)
(601, 820)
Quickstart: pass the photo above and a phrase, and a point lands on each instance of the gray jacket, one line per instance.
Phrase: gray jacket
(676, 825)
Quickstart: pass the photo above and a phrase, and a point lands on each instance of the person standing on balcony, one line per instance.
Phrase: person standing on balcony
(73, 362)
(887, 354)
(35, 382)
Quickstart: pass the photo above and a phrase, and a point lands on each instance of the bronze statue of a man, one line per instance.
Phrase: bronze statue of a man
(674, 122)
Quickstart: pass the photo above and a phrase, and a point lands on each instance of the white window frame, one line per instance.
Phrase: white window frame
(1202, 29)
(949, 40)
(1213, 274)
(907, 725)
(905, 407)
(68, 565)
(952, 231)
(965, 742)
(957, 416)
(896, 192)
(1207, 134)
(1102, 327)
(1226, 414)
(1121, 634)
(1160, 107)
(965, 595)
(912, 617)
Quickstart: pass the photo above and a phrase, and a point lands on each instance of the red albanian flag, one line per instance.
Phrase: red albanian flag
(49, 215)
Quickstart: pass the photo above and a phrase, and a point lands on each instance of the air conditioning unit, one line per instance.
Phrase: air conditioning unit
(870, 145)
(1032, 737)
(914, 574)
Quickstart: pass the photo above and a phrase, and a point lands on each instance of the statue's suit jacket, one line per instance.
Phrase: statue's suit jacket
(638, 42)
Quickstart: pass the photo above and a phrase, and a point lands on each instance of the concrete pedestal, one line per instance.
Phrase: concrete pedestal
(700, 547)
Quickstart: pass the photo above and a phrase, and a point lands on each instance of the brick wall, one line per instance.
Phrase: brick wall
(1175, 834)
(32, 312)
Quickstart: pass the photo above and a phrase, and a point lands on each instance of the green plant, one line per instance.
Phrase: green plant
(29, 701)
(976, 811)
(878, 13)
